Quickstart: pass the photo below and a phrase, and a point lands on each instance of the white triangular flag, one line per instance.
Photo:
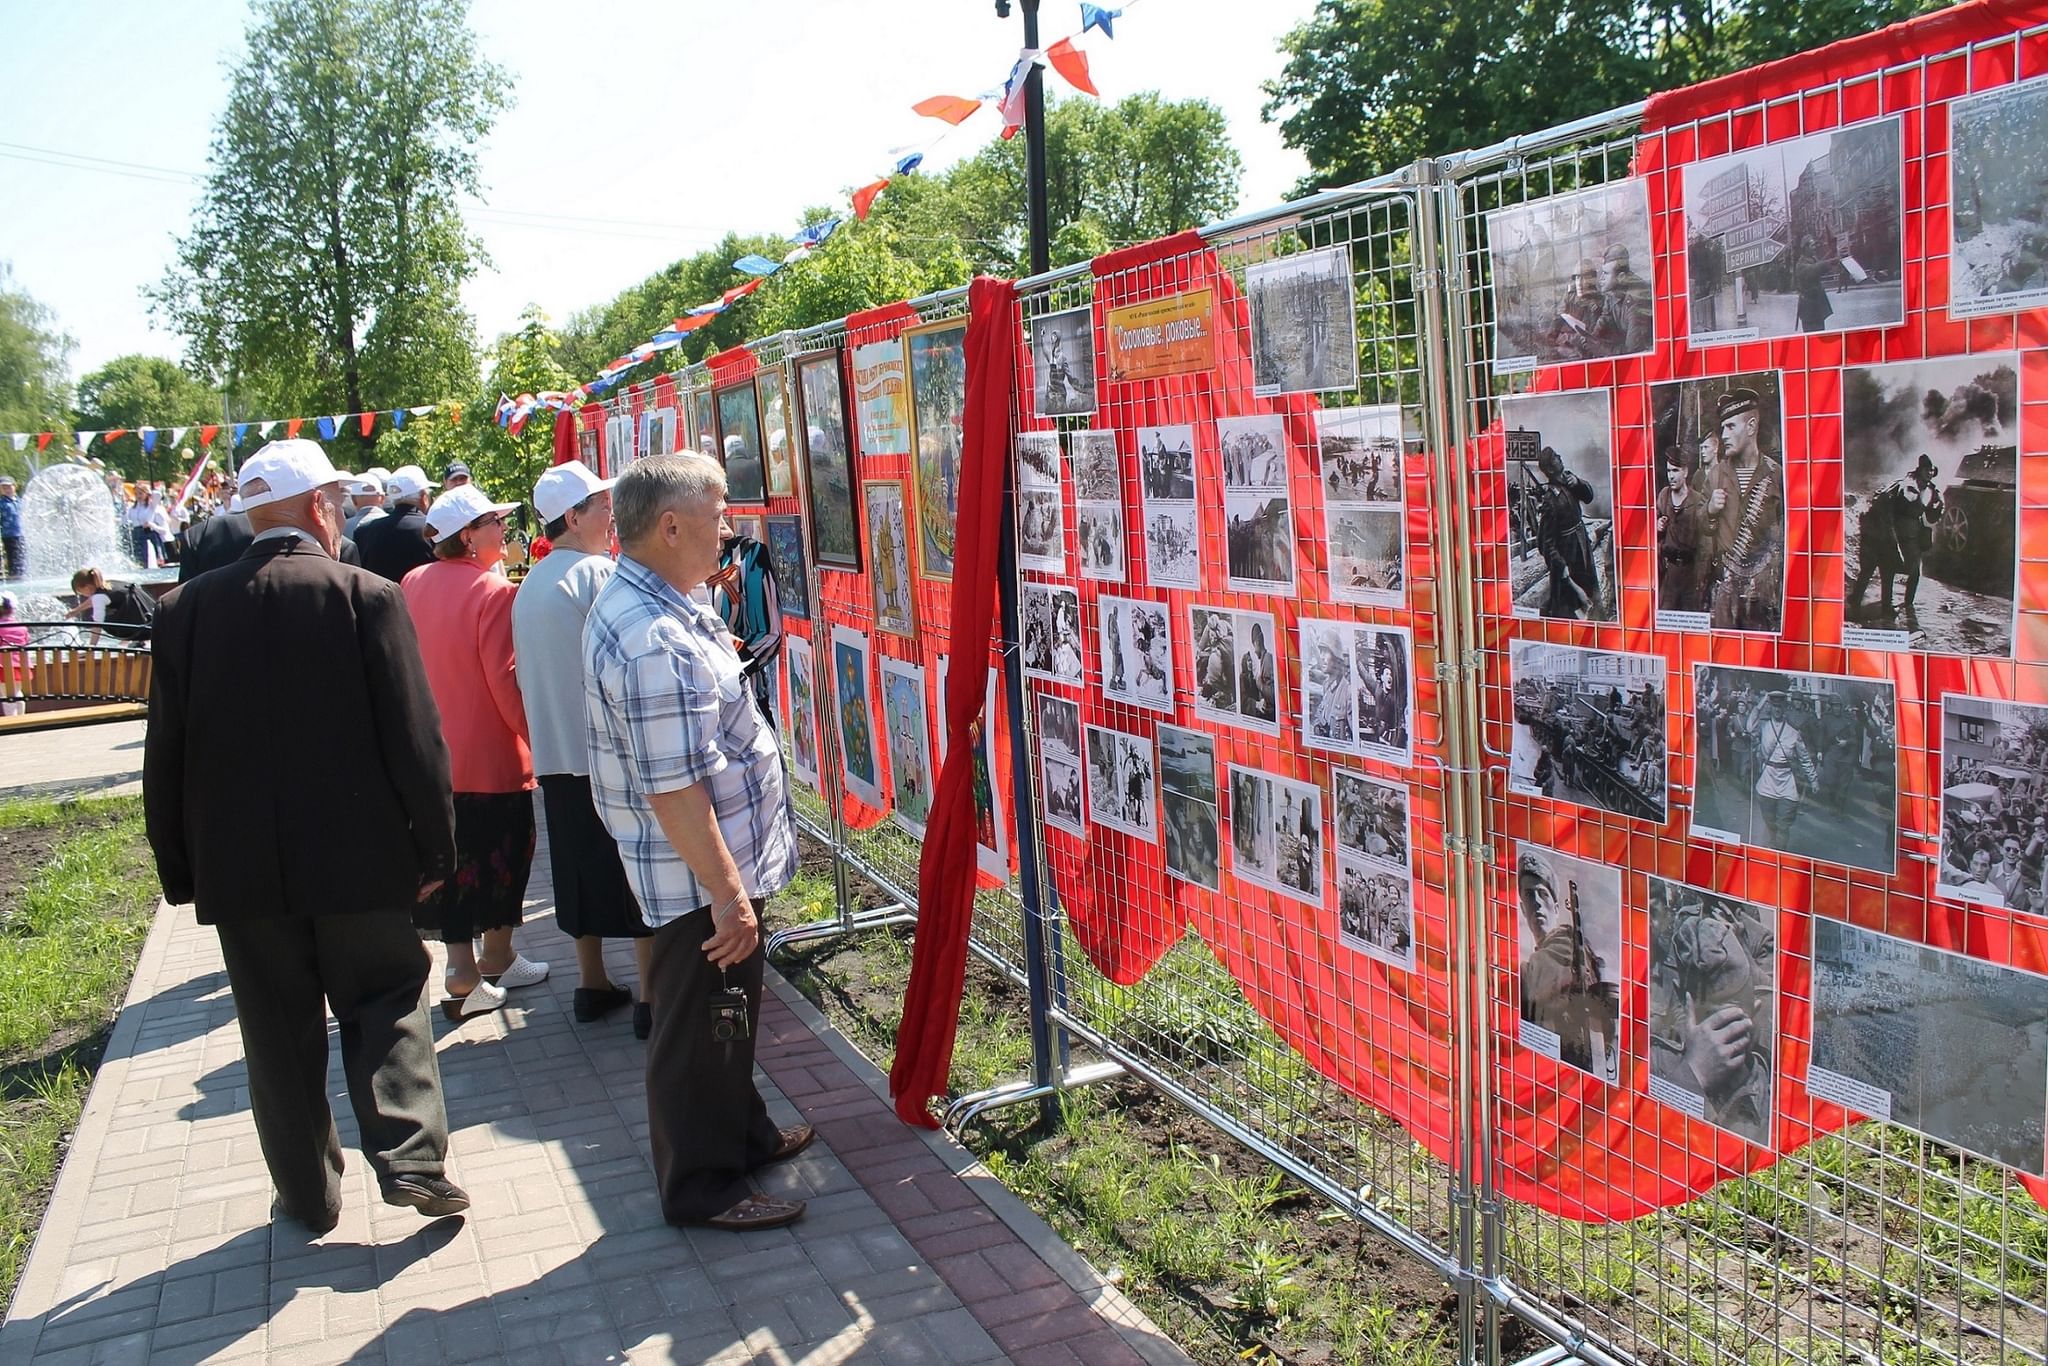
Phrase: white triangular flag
(85, 440)
(177, 435)
(20, 440)
(263, 428)
(421, 412)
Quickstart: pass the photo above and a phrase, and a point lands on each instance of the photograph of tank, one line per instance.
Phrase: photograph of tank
(1714, 1008)
(1589, 728)
(1571, 277)
(1569, 913)
(1560, 466)
(1998, 200)
(1994, 803)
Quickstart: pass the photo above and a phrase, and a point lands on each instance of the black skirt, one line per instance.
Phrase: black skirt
(493, 856)
(592, 895)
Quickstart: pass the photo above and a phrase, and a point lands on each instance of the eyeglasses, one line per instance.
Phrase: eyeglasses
(488, 519)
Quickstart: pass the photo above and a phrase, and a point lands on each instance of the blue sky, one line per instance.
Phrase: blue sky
(780, 105)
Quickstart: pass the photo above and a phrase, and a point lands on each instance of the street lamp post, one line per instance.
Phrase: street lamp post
(1034, 139)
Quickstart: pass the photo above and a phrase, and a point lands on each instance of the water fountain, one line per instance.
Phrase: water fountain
(70, 524)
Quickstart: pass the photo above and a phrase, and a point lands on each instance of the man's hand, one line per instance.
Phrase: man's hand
(1718, 501)
(733, 939)
(427, 889)
(1718, 1049)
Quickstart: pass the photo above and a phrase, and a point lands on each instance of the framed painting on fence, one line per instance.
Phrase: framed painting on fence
(703, 423)
(786, 557)
(739, 442)
(751, 525)
(889, 551)
(777, 441)
(829, 485)
(937, 357)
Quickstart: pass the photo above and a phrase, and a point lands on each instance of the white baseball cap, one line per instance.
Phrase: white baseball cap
(284, 469)
(460, 506)
(564, 486)
(367, 482)
(408, 481)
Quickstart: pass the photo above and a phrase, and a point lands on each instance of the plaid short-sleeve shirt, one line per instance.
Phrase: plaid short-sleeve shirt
(667, 707)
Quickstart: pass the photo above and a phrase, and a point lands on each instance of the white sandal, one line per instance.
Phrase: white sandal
(481, 1001)
(524, 972)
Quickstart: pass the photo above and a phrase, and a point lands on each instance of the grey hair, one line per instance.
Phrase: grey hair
(656, 483)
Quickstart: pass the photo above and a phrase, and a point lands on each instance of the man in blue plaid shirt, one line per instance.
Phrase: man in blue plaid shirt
(687, 776)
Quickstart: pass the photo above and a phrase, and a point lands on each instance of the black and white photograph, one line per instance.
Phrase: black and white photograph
(1237, 675)
(1560, 471)
(1059, 759)
(1368, 555)
(1052, 633)
(1372, 816)
(1259, 543)
(1719, 446)
(1098, 470)
(1187, 806)
(1569, 913)
(1360, 469)
(1799, 763)
(1041, 531)
(1714, 1008)
(1304, 330)
(1930, 491)
(1944, 1044)
(1994, 803)
(1122, 783)
(1254, 453)
(1589, 728)
(1571, 277)
(1998, 200)
(1798, 236)
(1038, 460)
(1099, 539)
(1173, 537)
(1276, 834)
(1063, 363)
(1137, 652)
(1357, 689)
(1376, 910)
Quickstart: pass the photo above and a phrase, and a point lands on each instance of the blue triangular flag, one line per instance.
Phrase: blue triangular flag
(326, 426)
(753, 263)
(241, 429)
(398, 418)
(148, 435)
(909, 163)
(816, 233)
(1095, 16)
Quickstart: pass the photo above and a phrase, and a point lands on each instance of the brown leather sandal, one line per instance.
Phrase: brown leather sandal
(795, 1139)
(755, 1212)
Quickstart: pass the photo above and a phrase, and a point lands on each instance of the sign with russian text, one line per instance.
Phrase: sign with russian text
(1160, 337)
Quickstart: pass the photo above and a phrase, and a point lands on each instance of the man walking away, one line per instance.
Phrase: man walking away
(396, 544)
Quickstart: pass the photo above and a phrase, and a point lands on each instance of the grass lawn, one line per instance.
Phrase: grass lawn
(77, 891)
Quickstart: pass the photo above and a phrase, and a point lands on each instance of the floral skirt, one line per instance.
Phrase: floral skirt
(493, 855)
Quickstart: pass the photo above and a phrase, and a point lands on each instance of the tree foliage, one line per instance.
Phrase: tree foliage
(129, 391)
(34, 360)
(521, 362)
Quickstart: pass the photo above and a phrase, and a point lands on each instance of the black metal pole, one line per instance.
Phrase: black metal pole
(1034, 147)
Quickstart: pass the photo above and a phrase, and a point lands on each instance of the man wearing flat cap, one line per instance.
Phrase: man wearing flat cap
(1562, 990)
(1894, 530)
(1749, 590)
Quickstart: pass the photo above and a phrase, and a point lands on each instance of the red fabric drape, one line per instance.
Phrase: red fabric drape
(946, 868)
(565, 436)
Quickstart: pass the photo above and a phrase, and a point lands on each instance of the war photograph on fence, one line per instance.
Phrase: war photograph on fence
(1569, 915)
(1560, 471)
(1137, 652)
(1098, 505)
(1122, 784)
(1304, 333)
(1375, 878)
(1994, 803)
(1360, 469)
(1059, 759)
(1063, 363)
(1173, 537)
(855, 716)
(1356, 690)
(1236, 674)
(1721, 545)
(1930, 486)
(1187, 806)
(1798, 763)
(1944, 1044)
(1052, 632)
(1713, 1008)
(1276, 834)
(1098, 470)
(1042, 531)
(1998, 200)
(907, 725)
(1589, 728)
(1571, 277)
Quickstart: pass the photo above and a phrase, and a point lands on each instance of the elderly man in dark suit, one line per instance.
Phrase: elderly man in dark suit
(396, 544)
(271, 674)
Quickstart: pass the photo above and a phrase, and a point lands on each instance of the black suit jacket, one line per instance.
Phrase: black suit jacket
(276, 678)
(396, 545)
(221, 539)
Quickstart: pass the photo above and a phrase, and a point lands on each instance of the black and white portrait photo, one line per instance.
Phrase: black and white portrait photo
(1304, 337)
(1589, 728)
(1713, 1007)
(1571, 277)
(1059, 758)
(1137, 652)
(1560, 469)
(1122, 783)
(1797, 236)
(1569, 913)
(1041, 530)
(1356, 689)
(1721, 543)
(1998, 200)
(1276, 834)
(1173, 539)
(1994, 803)
(1052, 633)
(1930, 489)
(1259, 543)
(1099, 505)
(1360, 470)
(1237, 675)
(1187, 806)
(1944, 1044)
(1063, 363)
(1800, 763)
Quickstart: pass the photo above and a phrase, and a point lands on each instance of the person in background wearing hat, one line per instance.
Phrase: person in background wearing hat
(464, 614)
(1749, 587)
(13, 547)
(1564, 986)
(396, 544)
(1893, 531)
(225, 537)
(593, 900)
(454, 477)
(271, 676)
(368, 498)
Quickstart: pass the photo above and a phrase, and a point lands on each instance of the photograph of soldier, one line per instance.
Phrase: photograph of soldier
(1994, 803)
(1259, 543)
(1254, 453)
(1589, 728)
(1734, 578)
(1941, 1043)
(1797, 236)
(1038, 460)
(1569, 277)
(1376, 910)
(1569, 911)
(1236, 679)
(1359, 467)
(907, 726)
(1059, 757)
(1930, 475)
(1304, 338)
(1122, 783)
(1187, 804)
(1173, 544)
(1052, 633)
(1801, 763)
(1041, 531)
(1381, 657)
(1276, 831)
(1998, 200)
(1099, 534)
(1560, 466)
(1137, 652)
(1329, 687)
(1713, 1007)
(1372, 816)
(1098, 472)
(1063, 363)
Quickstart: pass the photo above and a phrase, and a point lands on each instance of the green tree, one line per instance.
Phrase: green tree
(521, 362)
(129, 391)
(34, 360)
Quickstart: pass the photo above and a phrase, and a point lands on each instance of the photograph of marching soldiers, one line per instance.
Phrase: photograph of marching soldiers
(1801, 763)
(1187, 806)
(1098, 505)
(1569, 912)
(1571, 277)
(1560, 467)
(1173, 542)
(1137, 652)
(1941, 1043)
(1994, 803)
(1589, 728)
(1930, 475)
(1719, 447)
(1121, 783)
(1713, 1007)
(1041, 510)
(1360, 470)
(1258, 510)
(1063, 363)
(1375, 880)
(1355, 689)
(1797, 236)
(1052, 633)
(1998, 200)
(1059, 757)
(1304, 337)
(1276, 834)
(1237, 677)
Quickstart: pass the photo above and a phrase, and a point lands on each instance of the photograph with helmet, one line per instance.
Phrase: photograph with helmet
(1569, 913)
(1571, 277)
(1713, 1007)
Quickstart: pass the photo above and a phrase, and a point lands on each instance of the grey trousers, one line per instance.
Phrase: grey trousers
(286, 974)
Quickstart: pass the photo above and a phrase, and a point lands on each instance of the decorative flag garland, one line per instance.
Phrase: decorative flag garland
(237, 433)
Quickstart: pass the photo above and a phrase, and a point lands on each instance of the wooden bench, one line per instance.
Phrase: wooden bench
(68, 685)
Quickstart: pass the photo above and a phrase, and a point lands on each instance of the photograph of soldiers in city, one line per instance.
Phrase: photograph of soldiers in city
(889, 557)
(1059, 761)
(1801, 763)
(855, 716)
(1571, 277)
(1360, 469)
(1797, 236)
(907, 726)
(1187, 805)
(1994, 803)
(1569, 911)
(1930, 475)
(1122, 783)
(1560, 467)
(1041, 531)
(1589, 728)
(1713, 1007)
(1237, 678)
(1259, 543)
(1304, 337)
(1137, 652)
(1946, 1045)
(1998, 200)
(803, 708)
(1052, 633)
(1721, 530)
(1063, 363)
(1173, 542)
(1276, 834)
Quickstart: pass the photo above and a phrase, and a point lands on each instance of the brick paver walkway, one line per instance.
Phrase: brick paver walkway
(158, 1245)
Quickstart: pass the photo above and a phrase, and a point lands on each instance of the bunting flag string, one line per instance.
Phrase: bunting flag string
(237, 433)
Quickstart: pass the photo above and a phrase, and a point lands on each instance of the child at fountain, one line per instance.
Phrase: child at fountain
(15, 662)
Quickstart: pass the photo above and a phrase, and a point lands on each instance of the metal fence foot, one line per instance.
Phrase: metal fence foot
(1551, 1356)
(897, 914)
(966, 1109)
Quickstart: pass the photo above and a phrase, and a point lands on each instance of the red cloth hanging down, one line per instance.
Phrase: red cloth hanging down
(565, 436)
(946, 867)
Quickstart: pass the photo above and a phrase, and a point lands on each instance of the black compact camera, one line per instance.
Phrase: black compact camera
(729, 1016)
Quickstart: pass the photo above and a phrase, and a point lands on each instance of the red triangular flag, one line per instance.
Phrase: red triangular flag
(954, 109)
(291, 428)
(115, 435)
(207, 434)
(368, 421)
(1072, 63)
(43, 440)
(864, 198)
